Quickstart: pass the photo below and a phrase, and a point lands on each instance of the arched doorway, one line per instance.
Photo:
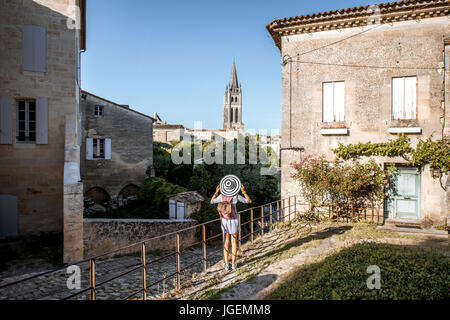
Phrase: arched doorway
(99, 195)
(129, 190)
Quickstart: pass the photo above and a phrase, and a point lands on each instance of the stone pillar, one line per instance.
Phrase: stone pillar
(73, 194)
(73, 222)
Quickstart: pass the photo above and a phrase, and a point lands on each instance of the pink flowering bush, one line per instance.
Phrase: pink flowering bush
(343, 184)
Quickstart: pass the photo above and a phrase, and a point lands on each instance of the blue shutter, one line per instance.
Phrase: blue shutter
(5, 120)
(42, 121)
(107, 149)
(34, 48)
(172, 209)
(89, 149)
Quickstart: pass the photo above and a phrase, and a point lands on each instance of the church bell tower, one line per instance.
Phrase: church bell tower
(232, 103)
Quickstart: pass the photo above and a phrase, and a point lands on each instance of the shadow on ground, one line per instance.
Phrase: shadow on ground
(318, 235)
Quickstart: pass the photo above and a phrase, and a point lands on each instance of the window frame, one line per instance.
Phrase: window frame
(334, 106)
(100, 109)
(97, 149)
(404, 100)
(27, 121)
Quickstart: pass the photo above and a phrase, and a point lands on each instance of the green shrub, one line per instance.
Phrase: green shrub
(406, 273)
(345, 184)
(155, 193)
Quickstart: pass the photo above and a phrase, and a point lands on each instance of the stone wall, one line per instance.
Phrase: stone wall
(131, 135)
(104, 235)
(34, 173)
(391, 47)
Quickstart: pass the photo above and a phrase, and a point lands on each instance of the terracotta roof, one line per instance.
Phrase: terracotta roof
(189, 197)
(356, 17)
(116, 104)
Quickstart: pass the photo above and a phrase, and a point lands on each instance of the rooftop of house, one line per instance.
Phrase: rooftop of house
(167, 126)
(189, 197)
(357, 16)
(126, 107)
(209, 130)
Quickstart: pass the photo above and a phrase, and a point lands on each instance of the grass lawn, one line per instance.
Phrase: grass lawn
(407, 272)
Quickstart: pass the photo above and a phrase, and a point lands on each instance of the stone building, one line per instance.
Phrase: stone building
(365, 74)
(40, 189)
(163, 132)
(183, 205)
(117, 149)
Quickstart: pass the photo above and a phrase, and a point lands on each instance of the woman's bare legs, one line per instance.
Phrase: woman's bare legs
(226, 240)
(233, 248)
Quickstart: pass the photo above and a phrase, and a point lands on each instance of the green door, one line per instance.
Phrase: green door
(404, 194)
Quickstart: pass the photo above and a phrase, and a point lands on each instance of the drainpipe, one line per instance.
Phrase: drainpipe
(445, 69)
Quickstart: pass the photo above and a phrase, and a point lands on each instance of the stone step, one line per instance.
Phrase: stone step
(416, 230)
(411, 223)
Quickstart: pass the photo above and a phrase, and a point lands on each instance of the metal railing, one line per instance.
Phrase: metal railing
(254, 222)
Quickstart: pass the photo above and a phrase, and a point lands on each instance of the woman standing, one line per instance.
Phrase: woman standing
(230, 225)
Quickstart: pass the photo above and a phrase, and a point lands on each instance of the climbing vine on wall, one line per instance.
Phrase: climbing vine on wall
(436, 154)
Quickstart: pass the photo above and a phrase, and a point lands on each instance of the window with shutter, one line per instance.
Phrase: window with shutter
(34, 48)
(6, 120)
(333, 101)
(404, 97)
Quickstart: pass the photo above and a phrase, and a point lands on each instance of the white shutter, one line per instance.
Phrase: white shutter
(5, 120)
(180, 210)
(42, 121)
(89, 149)
(398, 89)
(327, 109)
(172, 209)
(34, 48)
(107, 149)
(339, 100)
(410, 98)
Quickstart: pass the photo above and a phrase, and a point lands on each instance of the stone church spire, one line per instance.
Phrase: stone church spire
(232, 103)
(233, 78)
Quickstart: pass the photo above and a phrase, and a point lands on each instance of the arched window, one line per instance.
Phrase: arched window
(236, 118)
(231, 115)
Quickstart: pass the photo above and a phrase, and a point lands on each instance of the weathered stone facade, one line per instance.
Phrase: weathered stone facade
(105, 235)
(340, 46)
(35, 171)
(165, 133)
(131, 154)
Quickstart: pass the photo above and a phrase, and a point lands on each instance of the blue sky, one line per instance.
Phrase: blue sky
(175, 57)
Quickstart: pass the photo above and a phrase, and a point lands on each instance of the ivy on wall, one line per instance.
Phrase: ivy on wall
(436, 154)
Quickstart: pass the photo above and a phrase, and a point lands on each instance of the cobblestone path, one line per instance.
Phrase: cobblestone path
(54, 285)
